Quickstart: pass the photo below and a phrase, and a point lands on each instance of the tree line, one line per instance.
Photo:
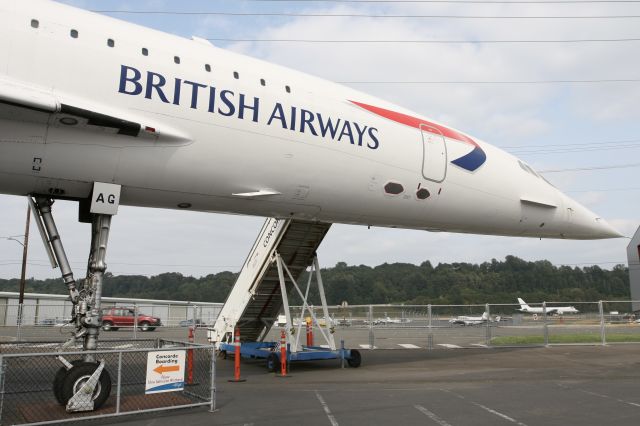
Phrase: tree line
(444, 284)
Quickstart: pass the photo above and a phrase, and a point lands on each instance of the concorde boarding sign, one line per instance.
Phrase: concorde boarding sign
(165, 371)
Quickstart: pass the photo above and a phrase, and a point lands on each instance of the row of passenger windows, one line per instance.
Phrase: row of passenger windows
(145, 52)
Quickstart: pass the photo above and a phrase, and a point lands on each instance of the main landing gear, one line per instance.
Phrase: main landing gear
(84, 384)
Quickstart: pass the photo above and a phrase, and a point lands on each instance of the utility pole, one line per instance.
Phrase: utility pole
(25, 249)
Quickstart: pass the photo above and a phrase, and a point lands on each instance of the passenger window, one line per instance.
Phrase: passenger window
(73, 33)
(236, 75)
(288, 89)
(176, 59)
(145, 51)
(262, 82)
(35, 23)
(207, 67)
(111, 43)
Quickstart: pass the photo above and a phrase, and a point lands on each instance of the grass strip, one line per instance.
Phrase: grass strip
(564, 338)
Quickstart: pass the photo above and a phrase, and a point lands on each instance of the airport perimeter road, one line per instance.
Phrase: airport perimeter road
(569, 385)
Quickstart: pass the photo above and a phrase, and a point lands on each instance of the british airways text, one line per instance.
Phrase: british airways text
(228, 103)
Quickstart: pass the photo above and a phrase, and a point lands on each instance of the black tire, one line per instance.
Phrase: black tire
(145, 326)
(108, 326)
(273, 363)
(78, 375)
(59, 380)
(355, 359)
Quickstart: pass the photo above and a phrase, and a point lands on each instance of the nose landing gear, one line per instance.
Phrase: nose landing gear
(85, 384)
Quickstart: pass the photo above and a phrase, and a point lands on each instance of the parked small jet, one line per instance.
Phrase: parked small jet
(550, 310)
(469, 320)
(388, 320)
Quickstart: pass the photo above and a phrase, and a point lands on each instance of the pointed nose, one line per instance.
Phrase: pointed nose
(587, 225)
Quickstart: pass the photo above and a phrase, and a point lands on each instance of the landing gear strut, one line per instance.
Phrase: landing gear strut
(80, 385)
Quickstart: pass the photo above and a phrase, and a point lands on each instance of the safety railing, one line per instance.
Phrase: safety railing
(138, 376)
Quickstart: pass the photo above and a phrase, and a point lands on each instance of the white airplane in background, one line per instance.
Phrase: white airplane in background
(104, 112)
(470, 320)
(550, 310)
(388, 320)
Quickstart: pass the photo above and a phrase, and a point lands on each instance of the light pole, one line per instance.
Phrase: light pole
(25, 248)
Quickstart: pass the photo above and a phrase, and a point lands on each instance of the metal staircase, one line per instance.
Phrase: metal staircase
(256, 298)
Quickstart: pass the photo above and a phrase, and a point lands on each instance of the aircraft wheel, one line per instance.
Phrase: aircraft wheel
(273, 363)
(59, 379)
(355, 359)
(78, 376)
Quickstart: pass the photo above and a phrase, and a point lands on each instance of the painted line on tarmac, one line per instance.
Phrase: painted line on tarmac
(325, 407)
(609, 397)
(484, 407)
(449, 346)
(128, 345)
(479, 345)
(408, 346)
(368, 346)
(499, 414)
(431, 415)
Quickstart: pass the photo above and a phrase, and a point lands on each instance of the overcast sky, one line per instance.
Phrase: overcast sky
(559, 126)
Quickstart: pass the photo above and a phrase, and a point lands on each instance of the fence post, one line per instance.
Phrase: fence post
(545, 325)
(283, 353)
(371, 335)
(119, 383)
(212, 407)
(2, 375)
(135, 321)
(430, 335)
(488, 334)
(19, 322)
(603, 334)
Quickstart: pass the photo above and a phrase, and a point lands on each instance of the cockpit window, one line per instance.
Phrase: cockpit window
(529, 169)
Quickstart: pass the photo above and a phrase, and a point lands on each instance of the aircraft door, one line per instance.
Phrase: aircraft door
(434, 154)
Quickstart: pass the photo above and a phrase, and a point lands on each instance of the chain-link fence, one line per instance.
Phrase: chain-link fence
(36, 387)
(466, 326)
(359, 326)
(41, 318)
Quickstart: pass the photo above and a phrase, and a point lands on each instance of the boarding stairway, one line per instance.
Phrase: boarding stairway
(283, 250)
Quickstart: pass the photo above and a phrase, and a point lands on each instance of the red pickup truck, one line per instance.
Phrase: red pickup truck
(113, 318)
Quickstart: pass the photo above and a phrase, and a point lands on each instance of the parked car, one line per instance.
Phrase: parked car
(52, 322)
(113, 318)
(189, 323)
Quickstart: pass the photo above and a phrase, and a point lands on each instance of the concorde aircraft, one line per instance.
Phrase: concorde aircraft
(104, 112)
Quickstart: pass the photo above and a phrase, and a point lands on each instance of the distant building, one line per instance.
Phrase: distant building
(633, 256)
(51, 309)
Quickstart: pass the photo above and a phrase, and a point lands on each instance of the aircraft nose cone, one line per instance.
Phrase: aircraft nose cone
(588, 225)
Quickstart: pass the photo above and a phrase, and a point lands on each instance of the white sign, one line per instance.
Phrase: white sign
(105, 198)
(165, 371)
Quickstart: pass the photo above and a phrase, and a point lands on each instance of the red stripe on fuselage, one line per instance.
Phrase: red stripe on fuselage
(410, 121)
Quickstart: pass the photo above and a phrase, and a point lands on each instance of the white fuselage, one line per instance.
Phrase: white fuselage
(551, 310)
(210, 130)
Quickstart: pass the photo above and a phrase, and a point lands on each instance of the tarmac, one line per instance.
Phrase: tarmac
(559, 385)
